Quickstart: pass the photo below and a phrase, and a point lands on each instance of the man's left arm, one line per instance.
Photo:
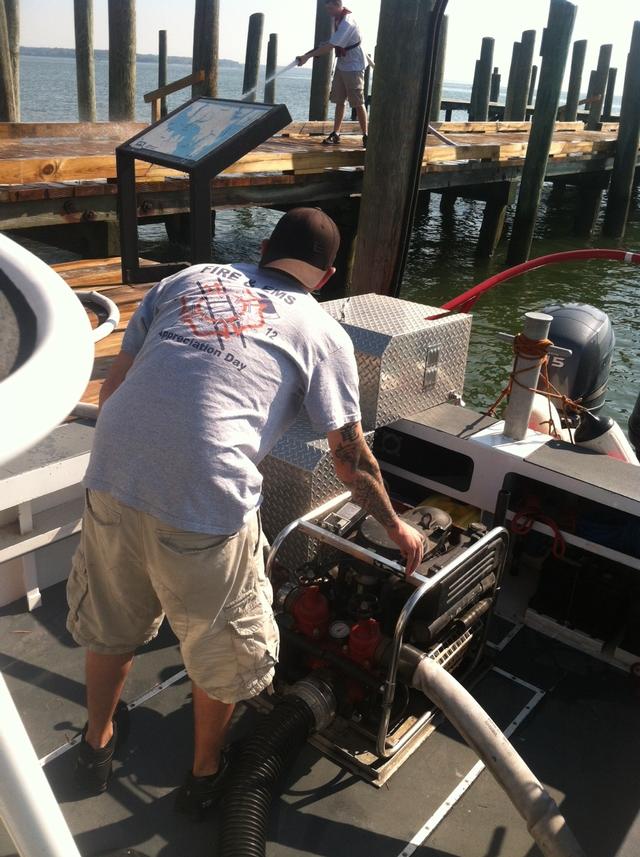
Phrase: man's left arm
(322, 51)
(116, 375)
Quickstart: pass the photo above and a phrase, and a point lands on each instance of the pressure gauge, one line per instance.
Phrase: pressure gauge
(339, 630)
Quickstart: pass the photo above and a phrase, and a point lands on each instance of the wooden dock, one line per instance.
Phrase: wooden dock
(64, 173)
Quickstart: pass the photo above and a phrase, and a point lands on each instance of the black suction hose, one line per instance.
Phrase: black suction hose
(268, 753)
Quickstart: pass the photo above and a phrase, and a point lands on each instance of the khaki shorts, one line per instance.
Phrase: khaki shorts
(130, 570)
(347, 85)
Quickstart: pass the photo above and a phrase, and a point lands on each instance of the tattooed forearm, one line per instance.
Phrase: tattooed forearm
(361, 473)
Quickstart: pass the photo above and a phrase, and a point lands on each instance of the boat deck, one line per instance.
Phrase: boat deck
(574, 720)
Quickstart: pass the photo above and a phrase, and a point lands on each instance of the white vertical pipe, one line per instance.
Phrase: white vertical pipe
(28, 807)
(518, 411)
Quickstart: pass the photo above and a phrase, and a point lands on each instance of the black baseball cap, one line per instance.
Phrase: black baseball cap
(304, 244)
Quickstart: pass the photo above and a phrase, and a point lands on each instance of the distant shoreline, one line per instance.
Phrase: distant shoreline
(103, 55)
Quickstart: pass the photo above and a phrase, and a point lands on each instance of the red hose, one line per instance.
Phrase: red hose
(465, 301)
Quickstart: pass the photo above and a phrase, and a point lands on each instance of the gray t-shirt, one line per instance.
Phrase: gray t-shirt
(225, 358)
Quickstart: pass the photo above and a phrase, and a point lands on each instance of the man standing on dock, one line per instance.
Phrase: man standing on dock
(348, 78)
(216, 363)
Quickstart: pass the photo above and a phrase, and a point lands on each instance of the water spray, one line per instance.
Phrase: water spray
(248, 95)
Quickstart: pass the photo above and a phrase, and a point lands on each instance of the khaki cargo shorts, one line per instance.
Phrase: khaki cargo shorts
(130, 570)
(347, 85)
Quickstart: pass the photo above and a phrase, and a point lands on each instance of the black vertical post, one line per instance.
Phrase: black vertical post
(200, 207)
(513, 69)
(474, 92)
(85, 65)
(13, 29)
(484, 79)
(122, 59)
(494, 95)
(8, 112)
(206, 37)
(396, 143)
(321, 72)
(608, 98)
(532, 85)
(570, 112)
(162, 68)
(438, 82)
(599, 87)
(624, 166)
(272, 67)
(522, 77)
(127, 216)
(252, 56)
(554, 51)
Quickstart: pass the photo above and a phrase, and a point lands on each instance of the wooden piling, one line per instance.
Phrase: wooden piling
(494, 94)
(13, 28)
(570, 111)
(162, 68)
(522, 78)
(532, 85)
(589, 202)
(122, 60)
(608, 98)
(624, 167)
(252, 56)
(439, 75)
(206, 37)
(498, 197)
(554, 51)
(483, 82)
(396, 144)
(321, 71)
(8, 111)
(474, 91)
(599, 86)
(513, 68)
(272, 67)
(85, 65)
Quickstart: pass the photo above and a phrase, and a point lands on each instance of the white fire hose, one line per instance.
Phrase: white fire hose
(85, 410)
(544, 820)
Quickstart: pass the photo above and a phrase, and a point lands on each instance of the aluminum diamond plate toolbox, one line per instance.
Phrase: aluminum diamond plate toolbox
(298, 476)
(406, 363)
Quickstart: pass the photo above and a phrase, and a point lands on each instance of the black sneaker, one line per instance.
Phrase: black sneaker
(365, 137)
(93, 767)
(332, 140)
(197, 795)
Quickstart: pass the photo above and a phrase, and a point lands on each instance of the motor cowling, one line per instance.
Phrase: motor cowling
(588, 333)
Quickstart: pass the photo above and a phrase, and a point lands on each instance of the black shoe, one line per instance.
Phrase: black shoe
(332, 140)
(93, 767)
(197, 795)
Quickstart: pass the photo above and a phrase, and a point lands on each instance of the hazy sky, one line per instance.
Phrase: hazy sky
(49, 23)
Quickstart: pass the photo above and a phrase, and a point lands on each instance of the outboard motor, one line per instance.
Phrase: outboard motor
(587, 331)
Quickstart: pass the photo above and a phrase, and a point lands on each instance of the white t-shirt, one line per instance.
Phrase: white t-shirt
(348, 33)
(225, 358)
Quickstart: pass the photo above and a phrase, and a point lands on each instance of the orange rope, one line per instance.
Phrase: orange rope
(536, 349)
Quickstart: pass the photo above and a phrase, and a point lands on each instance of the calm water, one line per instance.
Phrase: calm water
(441, 262)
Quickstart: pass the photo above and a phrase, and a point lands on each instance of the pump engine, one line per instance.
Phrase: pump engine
(354, 627)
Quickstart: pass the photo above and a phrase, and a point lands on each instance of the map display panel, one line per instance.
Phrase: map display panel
(198, 129)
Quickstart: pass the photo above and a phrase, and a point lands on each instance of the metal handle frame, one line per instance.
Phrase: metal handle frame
(498, 536)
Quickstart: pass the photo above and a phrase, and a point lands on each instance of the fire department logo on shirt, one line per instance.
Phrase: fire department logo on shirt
(221, 312)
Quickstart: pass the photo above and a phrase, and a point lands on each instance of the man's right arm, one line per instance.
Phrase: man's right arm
(357, 468)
